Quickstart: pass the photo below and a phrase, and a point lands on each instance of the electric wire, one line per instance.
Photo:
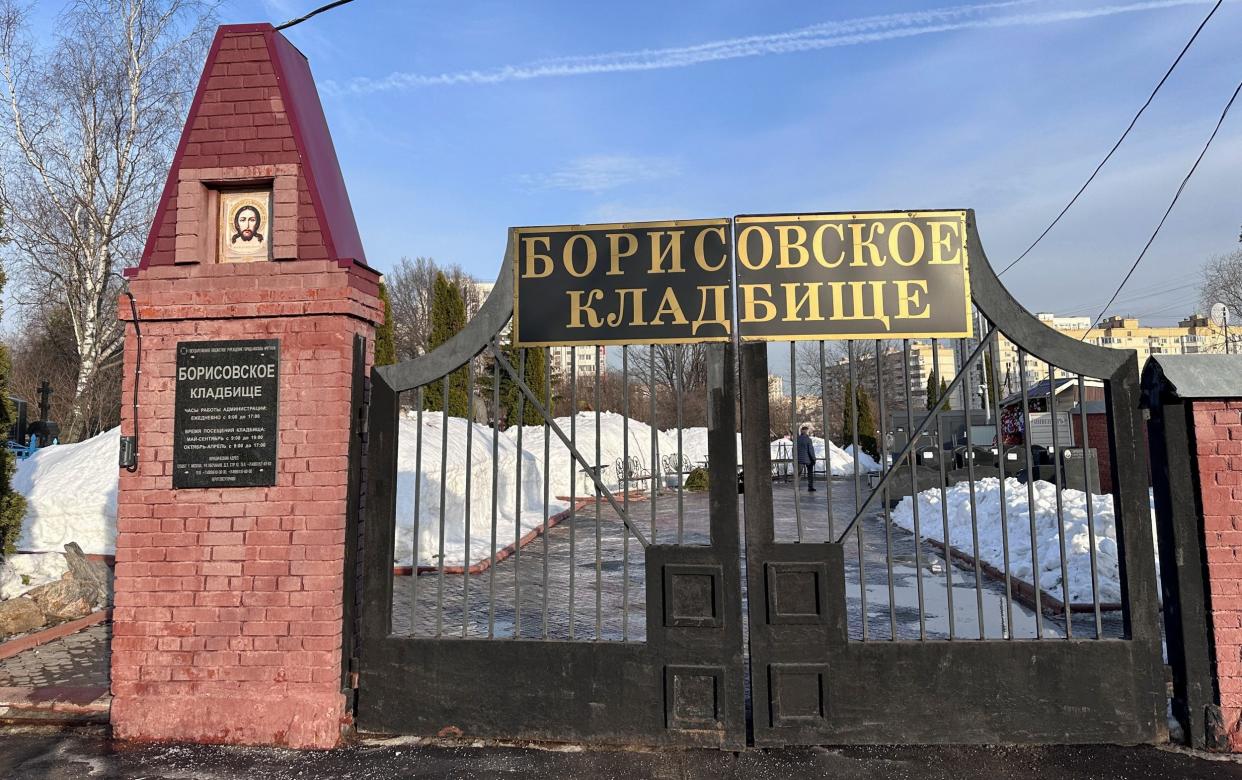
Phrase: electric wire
(1129, 127)
(1181, 187)
(318, 11)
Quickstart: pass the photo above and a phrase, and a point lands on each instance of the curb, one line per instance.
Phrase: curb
(23, 643)
(1023, 591)
(56, 704)
(505, 552)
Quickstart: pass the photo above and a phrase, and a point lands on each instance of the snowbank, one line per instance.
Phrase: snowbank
(842, 461)
(20, 573)
(71, 489)
(70, 492)
(1017, 517)
(445, 469)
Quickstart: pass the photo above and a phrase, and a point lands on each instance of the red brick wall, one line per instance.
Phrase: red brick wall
(228, 616)
(1218, 449)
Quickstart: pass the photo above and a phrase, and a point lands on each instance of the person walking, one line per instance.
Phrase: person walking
(806, 456)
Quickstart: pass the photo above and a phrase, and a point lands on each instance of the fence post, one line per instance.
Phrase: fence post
(1195, 433)
(230, 600)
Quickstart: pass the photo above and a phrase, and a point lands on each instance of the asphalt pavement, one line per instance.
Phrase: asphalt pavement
(41, 755)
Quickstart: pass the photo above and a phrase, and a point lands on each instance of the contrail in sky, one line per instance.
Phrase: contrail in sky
(826, 35)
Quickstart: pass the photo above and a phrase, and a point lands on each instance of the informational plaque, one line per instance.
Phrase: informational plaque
(225, 431)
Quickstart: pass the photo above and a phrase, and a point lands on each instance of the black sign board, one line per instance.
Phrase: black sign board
(635, 283)
(844, 276)
(225, 434)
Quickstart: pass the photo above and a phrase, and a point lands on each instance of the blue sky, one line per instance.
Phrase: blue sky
(454, 121)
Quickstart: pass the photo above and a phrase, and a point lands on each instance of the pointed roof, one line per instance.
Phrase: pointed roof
(256, 104)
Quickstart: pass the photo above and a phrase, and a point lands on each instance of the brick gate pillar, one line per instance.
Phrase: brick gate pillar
(229, 600)
(1195, 436)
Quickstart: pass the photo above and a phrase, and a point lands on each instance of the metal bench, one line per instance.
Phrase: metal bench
(631, 471)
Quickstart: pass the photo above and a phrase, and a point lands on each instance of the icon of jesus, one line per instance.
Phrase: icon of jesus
(243, 219)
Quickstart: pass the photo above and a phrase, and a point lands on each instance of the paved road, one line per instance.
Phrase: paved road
(591, 569)
(37, 756)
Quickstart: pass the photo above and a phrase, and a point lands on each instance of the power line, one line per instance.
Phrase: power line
(1129, 127)
(329, 7)
(1135, 296)
(1173, 202)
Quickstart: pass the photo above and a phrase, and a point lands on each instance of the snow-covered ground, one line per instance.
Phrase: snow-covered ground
(1017, 519)
(20, 573)
(70, 489)
(70, 492)
(444, 470)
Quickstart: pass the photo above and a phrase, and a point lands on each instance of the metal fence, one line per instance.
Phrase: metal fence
(539, 531)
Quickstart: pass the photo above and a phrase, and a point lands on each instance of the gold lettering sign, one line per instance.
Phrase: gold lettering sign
(844, 276)
(882, 275)
(635, 283)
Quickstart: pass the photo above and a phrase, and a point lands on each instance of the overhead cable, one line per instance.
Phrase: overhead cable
(1129, 127)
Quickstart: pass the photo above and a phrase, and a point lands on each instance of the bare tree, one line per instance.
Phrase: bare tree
(89, 124)
(409, 287)
(828, 384)
(1222, 282)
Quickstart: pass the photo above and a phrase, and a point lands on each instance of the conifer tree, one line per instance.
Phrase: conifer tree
(511, 396)
(385, 345)
(867, 441)
(933, 388)
(448, 317)
(12, 504)
(867, 428)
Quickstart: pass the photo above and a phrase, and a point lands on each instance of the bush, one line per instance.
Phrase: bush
(698, 479)
(12, 504)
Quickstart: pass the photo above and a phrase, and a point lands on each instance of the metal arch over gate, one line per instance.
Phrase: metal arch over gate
(835, 636)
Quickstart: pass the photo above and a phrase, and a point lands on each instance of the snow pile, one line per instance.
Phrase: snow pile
(565, 471)
(842, 459)
(991, 547)
(70, 492)
(70, 489)
(445, 469)
(20, 573)
(865, 461)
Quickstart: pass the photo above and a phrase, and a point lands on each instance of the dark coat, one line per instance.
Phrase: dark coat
(806, 450)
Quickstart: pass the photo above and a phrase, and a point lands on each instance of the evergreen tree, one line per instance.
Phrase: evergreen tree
(933, 385)
(12, 504)
(867, 429)
(448, 317)
(385, 346)
(512, 397)
(944, 393)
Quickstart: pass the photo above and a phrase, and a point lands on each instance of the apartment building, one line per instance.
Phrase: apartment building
(561, 359)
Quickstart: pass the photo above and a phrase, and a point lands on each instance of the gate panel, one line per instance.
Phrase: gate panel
(918, 632)
(535, 641)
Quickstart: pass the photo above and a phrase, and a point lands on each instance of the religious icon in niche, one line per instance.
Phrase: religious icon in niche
(245, 226)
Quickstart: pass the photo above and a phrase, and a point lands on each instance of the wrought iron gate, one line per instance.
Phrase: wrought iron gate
(860, 626)
(877, 670)
(511, 647)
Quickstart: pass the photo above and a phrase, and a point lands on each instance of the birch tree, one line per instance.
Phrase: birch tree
(90, 116)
